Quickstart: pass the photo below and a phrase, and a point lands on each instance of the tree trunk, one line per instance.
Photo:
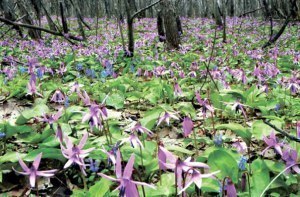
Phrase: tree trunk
(160, 27)
(33, 33)
(7, 8)
(169, 18)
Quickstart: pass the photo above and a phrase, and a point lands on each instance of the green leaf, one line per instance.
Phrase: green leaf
(11, 157)
(48, 153)
(223, 161)
(116, 100)
(260, 177)
(150, 118)
(179, 149)
(26, 115)
(165, 187)
(186, 108)
(238, 129)
(100, 188)
(260, 129)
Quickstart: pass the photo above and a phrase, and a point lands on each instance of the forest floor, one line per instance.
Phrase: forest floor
(228, 112)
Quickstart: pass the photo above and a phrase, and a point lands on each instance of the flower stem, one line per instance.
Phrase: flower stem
(262, 194)
(141, 152)
(84, 181)
(195, 141)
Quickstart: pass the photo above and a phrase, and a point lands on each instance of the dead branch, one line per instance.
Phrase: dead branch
(284, 133)
(9, 22)
(144, 9)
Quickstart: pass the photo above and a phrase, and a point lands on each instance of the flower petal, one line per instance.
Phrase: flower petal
(129, 168)
(37, 161)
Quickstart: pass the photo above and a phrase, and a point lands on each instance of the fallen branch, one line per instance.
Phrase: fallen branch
(9, 22)
(284, 133)
(274, 38)
(144, 9)
(249, 12)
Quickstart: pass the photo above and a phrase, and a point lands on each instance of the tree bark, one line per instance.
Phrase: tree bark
(169, 18)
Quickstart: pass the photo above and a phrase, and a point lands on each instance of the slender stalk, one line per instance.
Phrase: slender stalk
(37, 188)
(140, 179)
(262, 194)
(195, 142)
(108, 132)
(175, 172)
(223, 187)
(141, 152)
(84, 181)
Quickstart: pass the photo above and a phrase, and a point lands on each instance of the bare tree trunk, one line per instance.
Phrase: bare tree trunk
(169, 18)
(63, 18)
(7, 7)
(217, 14)
(160, 27)
(33, 33)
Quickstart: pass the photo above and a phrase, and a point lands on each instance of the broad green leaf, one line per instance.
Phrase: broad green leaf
(186, 108)
(100, 188)
(116, 100)
(260, 177)
(238, 129)
(150, 118)
(48, 153)
(260, 129)
(26, 115)
(179, 149)
(223, 161)
(11, 157)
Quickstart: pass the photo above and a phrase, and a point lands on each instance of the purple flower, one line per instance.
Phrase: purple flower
(93, 117)
(166, 117)
(62, 69)
(165, 157)
(194, 176)
(59, 133)
(85, 98)
(140, 129)
(290, 156)
(75, 88)
(204, 104)
(230, 188)
(134, 141)
(58, 97)
(240, 146)
(50, 119)
(187, 126)
(33, 171)
(110, 155)
(272, 142)
(31, 86)
(127, 186)
(237, 106)
(75, 153)
(177, 89)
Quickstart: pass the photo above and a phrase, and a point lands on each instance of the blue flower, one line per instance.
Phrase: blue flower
(277, 107)
(79, 67)
(39, 73)
(242, 163)
(132, 68)
(94, 165)
(67, 102)
(2, 135)
(23, 69)
(218, 140)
